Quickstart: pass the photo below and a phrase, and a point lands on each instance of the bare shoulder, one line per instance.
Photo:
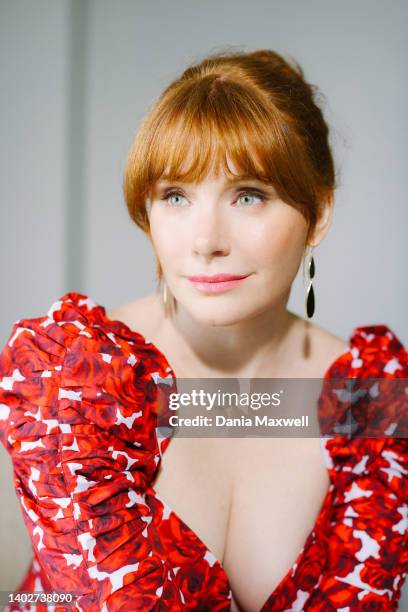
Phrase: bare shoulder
(327, 339)
(322, 347)
(141, 315)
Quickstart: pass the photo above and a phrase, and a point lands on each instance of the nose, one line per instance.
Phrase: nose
(210, 237)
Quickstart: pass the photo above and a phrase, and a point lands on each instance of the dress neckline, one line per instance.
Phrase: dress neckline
(132, 334)
(356, 359)
(359, 335)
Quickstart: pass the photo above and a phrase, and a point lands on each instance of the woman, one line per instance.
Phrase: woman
(231, 176)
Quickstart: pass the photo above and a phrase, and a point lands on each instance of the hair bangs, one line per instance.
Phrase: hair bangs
(204, 130)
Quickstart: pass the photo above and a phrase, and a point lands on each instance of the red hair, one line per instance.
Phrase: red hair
(255, 107)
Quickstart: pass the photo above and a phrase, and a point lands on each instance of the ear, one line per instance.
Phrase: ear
(325, 217)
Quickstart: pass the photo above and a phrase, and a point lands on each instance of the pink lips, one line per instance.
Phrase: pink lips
(217, 283)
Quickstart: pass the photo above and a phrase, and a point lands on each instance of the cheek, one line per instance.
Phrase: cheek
(168, 241)
(277, 244)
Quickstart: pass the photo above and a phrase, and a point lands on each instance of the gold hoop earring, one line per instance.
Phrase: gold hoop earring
(310, 300)
(165, 298)
(168, 301)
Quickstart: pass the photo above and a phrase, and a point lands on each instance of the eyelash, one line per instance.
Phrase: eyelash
(242, 192)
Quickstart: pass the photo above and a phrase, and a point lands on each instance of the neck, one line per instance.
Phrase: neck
(267, 341)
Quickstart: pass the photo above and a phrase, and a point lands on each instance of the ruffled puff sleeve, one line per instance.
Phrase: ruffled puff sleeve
(367, 542)
(79, 408)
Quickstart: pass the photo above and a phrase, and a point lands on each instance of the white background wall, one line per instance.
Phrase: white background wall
(33, 160)
(76, 78)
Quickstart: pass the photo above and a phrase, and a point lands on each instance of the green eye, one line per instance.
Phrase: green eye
(249, 196)
(173, 194)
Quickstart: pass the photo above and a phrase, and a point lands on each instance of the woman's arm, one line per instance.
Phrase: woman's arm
(72, 419)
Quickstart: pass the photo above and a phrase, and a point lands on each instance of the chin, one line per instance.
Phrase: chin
(213, 313)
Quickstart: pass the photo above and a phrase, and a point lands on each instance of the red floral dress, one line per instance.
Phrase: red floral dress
(79, 409)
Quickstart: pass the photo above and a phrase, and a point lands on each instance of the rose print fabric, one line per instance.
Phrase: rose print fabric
(81, 397)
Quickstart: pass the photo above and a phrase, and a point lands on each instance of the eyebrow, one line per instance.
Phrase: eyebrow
(230, 181)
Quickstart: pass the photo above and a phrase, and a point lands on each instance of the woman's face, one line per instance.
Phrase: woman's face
(222, 227)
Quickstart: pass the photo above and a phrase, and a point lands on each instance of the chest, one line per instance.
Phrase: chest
(251, 501)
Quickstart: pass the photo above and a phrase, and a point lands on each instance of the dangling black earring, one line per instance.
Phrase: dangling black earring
(310, 296)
